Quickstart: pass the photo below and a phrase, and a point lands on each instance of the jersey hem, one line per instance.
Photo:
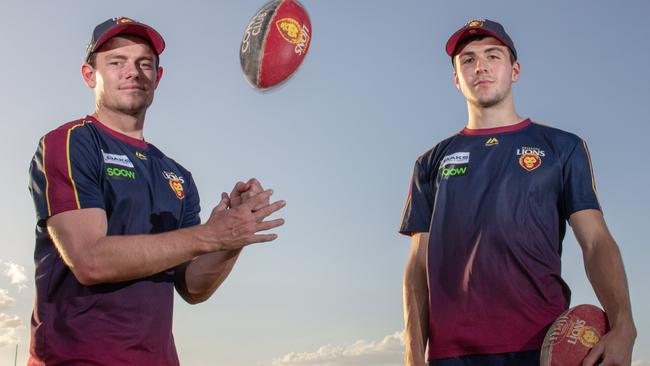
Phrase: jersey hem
(484, 350)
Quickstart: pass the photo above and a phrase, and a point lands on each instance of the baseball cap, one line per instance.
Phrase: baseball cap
(112, 27)
(478, 27)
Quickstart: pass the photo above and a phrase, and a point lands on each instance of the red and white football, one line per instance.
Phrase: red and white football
(275, 42)
(572, 335)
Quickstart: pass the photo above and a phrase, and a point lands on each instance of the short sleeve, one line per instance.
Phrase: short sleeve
(419, 202)
(579, 183)
(192, 206)
(65, 172)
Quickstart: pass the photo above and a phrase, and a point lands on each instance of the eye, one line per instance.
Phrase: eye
(494, 57)
(467, 60)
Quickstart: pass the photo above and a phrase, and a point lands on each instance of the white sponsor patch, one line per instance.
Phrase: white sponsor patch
(115, 159)
(455, 158)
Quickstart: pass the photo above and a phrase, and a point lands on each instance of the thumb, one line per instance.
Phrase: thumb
(224, 203)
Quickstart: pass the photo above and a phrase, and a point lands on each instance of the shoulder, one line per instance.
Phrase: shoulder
(153, 150)
(69, 130)
(433, 155)
(555, 134)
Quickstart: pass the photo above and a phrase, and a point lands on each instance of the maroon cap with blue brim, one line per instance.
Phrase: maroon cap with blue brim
(477, 27)
(115, 26)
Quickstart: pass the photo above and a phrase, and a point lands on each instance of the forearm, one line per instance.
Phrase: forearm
(123, 258)
(416, 323)
(200, 278)
(606, 273)
(416, 302)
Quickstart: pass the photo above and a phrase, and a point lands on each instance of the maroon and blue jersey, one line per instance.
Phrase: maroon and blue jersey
(495, 203)
(84, 164)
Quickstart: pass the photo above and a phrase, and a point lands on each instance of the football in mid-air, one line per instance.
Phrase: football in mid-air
(275, 42)
(572, 335)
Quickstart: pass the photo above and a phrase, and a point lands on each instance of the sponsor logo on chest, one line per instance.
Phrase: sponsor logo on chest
(454, 164)
(116, 159)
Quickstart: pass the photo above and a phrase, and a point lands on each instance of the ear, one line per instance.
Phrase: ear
(88, 75)
(516, 71)
(159, 75)
(456, 80)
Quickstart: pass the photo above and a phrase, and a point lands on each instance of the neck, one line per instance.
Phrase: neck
(498, 115)
(125, 124)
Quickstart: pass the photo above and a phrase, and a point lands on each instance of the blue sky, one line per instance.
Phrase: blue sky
(337, 142)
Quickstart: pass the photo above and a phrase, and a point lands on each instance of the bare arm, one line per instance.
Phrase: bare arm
(605, 271)
(81, 239)
(197, 280)
(416, 302)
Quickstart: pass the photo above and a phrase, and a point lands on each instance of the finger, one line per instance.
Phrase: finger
(594, 354)
(268, 210)
(268, 225)
(237, 189)
(242, 187)
(262, 238)
(224, 203)
(255, 185)
(258, 199)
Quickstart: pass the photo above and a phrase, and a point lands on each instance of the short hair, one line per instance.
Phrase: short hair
(92, 58)
(468, 40)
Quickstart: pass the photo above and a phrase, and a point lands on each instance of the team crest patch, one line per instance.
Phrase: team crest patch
(124, 20)
(475, 23)
(177, 187)
(175, 183)
(530, 161)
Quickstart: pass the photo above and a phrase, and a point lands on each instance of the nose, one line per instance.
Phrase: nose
(481, 65)
(130, 70)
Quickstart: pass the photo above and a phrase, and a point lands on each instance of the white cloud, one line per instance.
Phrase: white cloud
(9, 326)
(8, 321)
(8, 337)
(387, 352)
(16, 274)
(5, 300)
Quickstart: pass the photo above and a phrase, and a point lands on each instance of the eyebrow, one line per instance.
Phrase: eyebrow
(471, 53)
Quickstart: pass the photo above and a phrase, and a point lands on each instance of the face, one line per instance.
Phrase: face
(484, 73)
(124, 76)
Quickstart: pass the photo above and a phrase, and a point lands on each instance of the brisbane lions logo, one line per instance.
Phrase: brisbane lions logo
(530, 162)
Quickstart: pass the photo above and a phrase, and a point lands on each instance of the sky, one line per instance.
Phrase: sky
(337, 142)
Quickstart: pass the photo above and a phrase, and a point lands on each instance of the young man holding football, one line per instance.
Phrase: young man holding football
(487, 212)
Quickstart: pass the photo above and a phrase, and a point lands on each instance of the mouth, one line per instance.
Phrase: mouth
(482, 82)
(132, 87)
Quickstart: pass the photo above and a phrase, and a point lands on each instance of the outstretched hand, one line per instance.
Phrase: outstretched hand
(238, 226)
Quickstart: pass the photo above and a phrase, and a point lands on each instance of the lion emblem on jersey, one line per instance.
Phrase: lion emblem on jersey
(177, 187)
(530, 162)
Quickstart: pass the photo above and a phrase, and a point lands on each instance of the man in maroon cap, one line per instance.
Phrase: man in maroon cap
(487, 211)
(118, 221)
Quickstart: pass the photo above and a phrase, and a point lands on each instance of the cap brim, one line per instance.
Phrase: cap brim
(460, 35)
(136, 29)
